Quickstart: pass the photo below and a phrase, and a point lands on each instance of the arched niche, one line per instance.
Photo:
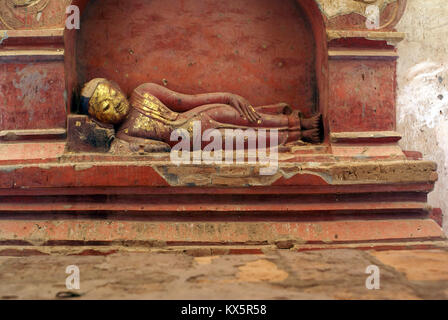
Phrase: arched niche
(267, 51)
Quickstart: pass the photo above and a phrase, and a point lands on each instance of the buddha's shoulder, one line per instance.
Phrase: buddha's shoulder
(144, 91)
(144, 87)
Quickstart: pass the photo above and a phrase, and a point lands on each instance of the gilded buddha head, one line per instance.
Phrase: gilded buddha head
(105, 101)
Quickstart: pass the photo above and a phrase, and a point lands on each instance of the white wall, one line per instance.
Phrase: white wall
(422, 105)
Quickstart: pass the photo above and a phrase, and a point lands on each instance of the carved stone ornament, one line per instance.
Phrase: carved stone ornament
(32, 14)
(14, 13)
(333, 9)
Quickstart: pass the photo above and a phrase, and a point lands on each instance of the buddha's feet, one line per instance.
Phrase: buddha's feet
(312, 129)
(314, 122)
(312, 135)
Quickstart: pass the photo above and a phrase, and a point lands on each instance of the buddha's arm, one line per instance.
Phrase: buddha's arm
(179, 102)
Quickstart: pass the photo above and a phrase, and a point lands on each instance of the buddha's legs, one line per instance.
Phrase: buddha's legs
(291, 125)
(220, 117)
(279, 108)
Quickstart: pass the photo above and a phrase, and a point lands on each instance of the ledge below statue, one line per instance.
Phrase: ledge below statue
(307, 171)
(313, 188)
(47, 165)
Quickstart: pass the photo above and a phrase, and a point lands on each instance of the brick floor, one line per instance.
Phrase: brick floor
(274, 274)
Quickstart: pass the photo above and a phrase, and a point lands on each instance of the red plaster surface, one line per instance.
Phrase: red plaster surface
(362, 95)
(261, 49)
(30, 152)
(32, 96)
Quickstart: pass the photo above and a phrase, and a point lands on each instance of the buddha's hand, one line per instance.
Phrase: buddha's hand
(243, 106)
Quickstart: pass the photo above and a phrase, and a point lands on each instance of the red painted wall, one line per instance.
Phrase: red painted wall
(362, 95)
(261, 49)
(32, 95)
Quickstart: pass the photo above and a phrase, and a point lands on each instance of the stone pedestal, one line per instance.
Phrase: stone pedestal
(357, 186)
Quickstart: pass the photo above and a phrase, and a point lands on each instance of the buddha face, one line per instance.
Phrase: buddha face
(108, 103)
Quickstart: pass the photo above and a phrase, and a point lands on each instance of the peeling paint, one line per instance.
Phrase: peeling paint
(364, 172)
(9, 169)
(287, 174)
(4, 36)
(31, 84)
(82, 167)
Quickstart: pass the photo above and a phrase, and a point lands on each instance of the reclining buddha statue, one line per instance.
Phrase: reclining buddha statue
(153, 112)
